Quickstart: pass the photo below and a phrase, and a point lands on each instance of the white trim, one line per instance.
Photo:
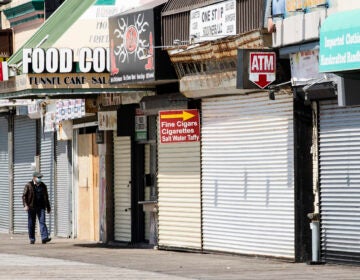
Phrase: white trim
(88, 124)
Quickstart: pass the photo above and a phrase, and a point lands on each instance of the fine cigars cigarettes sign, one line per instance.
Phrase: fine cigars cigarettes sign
(179, 126)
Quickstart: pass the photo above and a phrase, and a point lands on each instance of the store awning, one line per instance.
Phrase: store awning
(340, 42)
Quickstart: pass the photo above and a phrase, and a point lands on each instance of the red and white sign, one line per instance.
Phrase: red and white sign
(4, 71)
(262, 68)
(179, 126)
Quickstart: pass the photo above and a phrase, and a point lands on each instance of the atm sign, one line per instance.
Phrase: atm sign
(262, 68)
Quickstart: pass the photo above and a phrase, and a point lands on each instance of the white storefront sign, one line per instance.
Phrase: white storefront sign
(214, 21)
(55, 60)
(107, 120)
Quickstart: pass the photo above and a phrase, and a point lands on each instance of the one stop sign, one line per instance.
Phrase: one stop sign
(262, 68)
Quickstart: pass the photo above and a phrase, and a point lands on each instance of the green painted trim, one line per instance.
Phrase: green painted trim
(53, 28)
(25, 20)
(26, 8)
(105, 2)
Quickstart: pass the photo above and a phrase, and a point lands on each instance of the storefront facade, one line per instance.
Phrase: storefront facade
(323, 75)
(156, 180)
(338, 132)
(250, 139)
(65, 124)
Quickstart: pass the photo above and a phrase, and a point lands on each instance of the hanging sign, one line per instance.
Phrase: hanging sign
(262, 68)
(179, 126)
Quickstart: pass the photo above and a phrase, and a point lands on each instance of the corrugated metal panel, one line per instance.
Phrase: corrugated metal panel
(122, 192)
(63, 187)
(176, 17)
(340, 182)
(24, 156)
(4, 177)
(54, 27)
(248, 175)
(179, 198)
(176, 6)
(47, 155)
(147, 194)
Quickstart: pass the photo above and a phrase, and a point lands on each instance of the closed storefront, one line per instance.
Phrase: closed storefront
(63, 189)
(24, 157)
(339, 171)
(179, 179)
(47, 168)
(4, 177)
(87, 173)
(179, 197)
(248, 175)
(122, 188)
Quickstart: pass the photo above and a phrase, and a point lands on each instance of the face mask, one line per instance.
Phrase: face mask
(38, 180)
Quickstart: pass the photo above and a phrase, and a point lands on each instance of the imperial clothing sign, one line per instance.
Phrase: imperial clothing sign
(340, 42)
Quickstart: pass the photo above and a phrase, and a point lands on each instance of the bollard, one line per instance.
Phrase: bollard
(315, 240)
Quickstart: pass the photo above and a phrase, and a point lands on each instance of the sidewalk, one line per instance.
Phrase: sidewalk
(74, 259)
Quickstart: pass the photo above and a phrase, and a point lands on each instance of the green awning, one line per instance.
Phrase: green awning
(52, 29)
(340, 42)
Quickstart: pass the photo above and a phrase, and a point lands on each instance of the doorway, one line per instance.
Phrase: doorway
(88, 188)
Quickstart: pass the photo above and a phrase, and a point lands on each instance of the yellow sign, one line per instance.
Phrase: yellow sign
(296, 5)
(184, 116)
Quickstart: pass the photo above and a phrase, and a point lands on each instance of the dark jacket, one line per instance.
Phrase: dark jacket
(29, 198)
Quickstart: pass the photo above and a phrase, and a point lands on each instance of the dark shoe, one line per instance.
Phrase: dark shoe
(46, 240)
(32, 241)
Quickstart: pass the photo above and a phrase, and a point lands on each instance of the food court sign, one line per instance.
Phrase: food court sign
(58, 68)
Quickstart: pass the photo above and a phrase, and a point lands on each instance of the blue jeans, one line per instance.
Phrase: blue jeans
(40, 213)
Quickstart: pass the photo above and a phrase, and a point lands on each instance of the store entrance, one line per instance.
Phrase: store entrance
(88, 188)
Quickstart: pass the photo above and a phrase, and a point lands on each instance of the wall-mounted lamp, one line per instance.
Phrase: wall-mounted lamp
(272, 94)
(274, 88)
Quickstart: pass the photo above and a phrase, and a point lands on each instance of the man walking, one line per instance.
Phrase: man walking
(36, 201)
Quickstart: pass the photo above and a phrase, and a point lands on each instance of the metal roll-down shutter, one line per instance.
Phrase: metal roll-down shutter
(24, 157)
(339, 153)
(4, 177)
(248, 175)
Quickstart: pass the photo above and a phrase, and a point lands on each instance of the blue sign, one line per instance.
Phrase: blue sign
(340, 42)
(278, 7)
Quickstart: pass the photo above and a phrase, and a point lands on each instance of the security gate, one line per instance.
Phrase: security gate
(24, 157)
(47, 168)
(248, 175)
(4, 177)
(63, 187)
(339, 160)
